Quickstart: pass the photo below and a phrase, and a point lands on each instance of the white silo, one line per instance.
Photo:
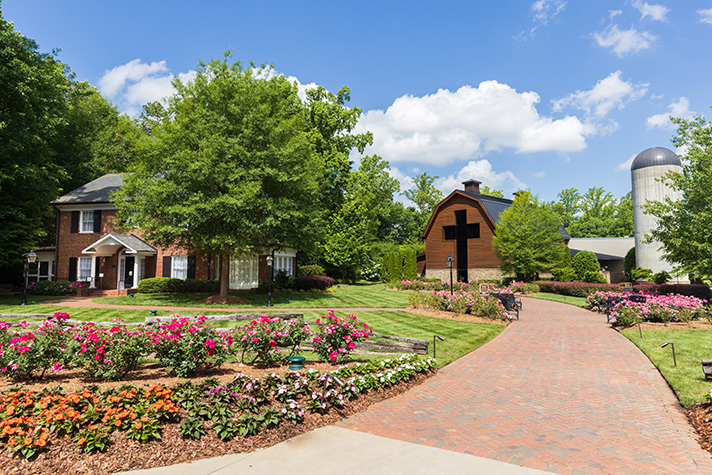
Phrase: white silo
(647, 169)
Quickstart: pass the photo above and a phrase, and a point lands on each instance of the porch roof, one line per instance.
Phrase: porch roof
(112, 242)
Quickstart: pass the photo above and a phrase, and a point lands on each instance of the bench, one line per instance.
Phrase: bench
(511, 304)
(611, 302)
(707, 368)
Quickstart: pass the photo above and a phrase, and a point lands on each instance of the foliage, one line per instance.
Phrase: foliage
(683, 224)
(575, 289)
(460, 302)
(661, 277)
(310, 269)
(527, 239)
(642, 274)
(313, 282)
(585, 265)
(267, 338)
(93, 438)
(564, 274)
(283, 280)
(29, 355)
(54, 287)
(244, 186)
(168, 284)
(629, 263)
(486, 190)
(659, 308)
(399, 265)
(106, 353)
(426, 197)
(184, 345)
(337, 336)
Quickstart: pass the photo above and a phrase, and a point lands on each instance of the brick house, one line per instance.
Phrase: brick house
(462, 226)
(90, 249)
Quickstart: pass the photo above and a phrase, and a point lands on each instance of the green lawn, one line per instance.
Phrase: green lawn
(577, 301)
(343, 296)
(691, 347)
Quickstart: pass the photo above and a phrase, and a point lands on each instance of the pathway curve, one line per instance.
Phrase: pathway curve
(558, 390)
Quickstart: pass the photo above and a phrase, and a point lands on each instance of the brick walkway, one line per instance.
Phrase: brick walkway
(558, 390)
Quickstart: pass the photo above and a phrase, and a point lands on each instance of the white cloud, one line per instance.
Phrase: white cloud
(705, 16)
(681, 109)
(623, 42)
(545, 10)
(480, 170)
(625, 166)
(614, 13)
(135, 83)
(446, 126)
(608, 94)
(656, 12)
(539, 175)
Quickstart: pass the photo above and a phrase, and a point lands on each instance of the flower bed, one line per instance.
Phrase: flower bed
(182, 345)
(460, 302)
(30, 422)
(656, 308)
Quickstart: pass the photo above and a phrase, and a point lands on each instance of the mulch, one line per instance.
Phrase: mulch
(125, 454)
(700, 416)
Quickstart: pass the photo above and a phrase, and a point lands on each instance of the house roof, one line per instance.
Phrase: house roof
(110, 243)
(599, 256)
(494, 206)
(97, 191)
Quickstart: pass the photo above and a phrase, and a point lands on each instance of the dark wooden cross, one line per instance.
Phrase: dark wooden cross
(461, 232)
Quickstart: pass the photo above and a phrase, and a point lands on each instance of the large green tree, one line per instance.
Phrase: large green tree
(527, 239)
(426, 197)
(683, 226)
(229, 169)
(33, 109)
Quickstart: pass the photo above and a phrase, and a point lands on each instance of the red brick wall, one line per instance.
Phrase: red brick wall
(479, 251)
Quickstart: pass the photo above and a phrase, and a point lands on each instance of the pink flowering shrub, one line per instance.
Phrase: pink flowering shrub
(431, 285)
(60, 316)
(659, 308)
(337, 336)
(184, 345)
(460, 302)
(106, 352)
(30, 354)
(270, 340)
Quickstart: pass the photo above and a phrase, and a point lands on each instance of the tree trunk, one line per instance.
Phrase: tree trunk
(224, 274)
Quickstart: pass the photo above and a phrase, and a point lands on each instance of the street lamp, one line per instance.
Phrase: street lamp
(449, 261)
(31, 258)
(270, 261)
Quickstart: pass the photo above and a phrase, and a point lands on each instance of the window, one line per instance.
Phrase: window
(87, 222)
(84, 269)
(285, 264)
(179, 267)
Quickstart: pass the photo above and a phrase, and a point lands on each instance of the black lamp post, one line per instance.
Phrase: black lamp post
(449, 261)
(270, 261)
(31, 257)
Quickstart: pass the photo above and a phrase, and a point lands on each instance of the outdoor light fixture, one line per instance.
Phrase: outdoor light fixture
(270, 261)
(31, 257)
(674, 361)
(449, 261)
(439, 338)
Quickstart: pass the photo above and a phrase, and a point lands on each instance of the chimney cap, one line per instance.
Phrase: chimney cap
(471, 182)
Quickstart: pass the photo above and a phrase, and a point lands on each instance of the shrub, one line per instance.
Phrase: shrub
(283, 280)
(337, 336)
(28, 355)
(313, 282)
(661, 277)
(155, 285)
(576, 289)
(564, 274)
(629, 263)
(106, 353)
(53, 287)
(185, 345)
(641, 273)
(198, 286)
(459, 302)
(266, 337)
(659, 308)
(586, 266)
(310, 269)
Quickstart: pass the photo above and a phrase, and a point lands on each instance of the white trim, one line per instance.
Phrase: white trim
(87, 207)
(112, 240)
(81, 221)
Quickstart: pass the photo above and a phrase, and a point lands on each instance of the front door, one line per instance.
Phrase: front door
(129, 272)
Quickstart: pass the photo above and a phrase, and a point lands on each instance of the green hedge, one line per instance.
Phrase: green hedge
(167, 285)
(576, 289)
(52, 287)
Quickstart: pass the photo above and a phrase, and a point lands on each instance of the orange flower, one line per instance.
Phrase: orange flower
(27, 441)
(117, 422)
(138, 426)
(144, 419)
(10, 410)
(81, 441)
(40, 442)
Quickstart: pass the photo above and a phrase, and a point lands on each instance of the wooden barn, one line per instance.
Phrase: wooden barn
(462, 226)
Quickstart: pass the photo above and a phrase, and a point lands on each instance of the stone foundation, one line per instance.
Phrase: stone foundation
(472, 274)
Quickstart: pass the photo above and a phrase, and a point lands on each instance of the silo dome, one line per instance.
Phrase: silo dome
(655, 156)
(647, 172)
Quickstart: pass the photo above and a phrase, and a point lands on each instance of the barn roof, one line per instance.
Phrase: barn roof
(494, 206)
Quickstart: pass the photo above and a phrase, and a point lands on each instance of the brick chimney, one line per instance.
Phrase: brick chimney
(472, 185)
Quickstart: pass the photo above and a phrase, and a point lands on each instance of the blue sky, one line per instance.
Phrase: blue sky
(537, 94)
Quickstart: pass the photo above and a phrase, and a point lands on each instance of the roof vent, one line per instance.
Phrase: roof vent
(472, 185)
